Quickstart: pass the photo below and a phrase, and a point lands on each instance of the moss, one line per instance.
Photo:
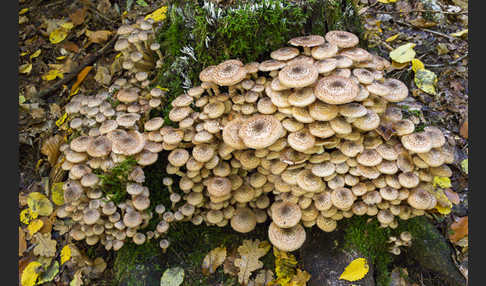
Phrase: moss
(371, 240)
(113, 182)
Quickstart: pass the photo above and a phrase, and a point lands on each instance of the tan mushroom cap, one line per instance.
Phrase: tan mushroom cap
(309, 182)
(206, 74)
(364, 76)
(141, 202)
(298, 74)
(322, 201)
(408, 180)
(398, 90)
(284, 54)
(302, 97)
(368, 122)
(326, 224)
(342, 198)
(324, 51)
(389, 193)
(72, 191)
(357, 54)
(99, 147)
(301, 140)
(271, 65)
(285, 214)
(385, 216)
(230, 134)
(243, 220)
(387, 151)
(127, 143)
(343, 62)
(321, 129)
(418, 142)
(286, 239)
(421, 199)
(260, 131)
(307, 41)
(434, 158)
(203, 152)
(154, 124)
(81, 143)
(326, 65)
(369, 157)
(352, 110)
(403, 127)
(127, 95)
(323, 169)
(322, 111)
(435, 134)
(185, 99)
(336, 90)
(351, 148)
(178, 157)
(132, 218)
(342, 39)
(146, 158)
(219, 186)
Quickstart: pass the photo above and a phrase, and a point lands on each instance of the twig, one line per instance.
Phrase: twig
(415, 11)
(428, 30)
(449, 63)
(101, 15)
(87, 61)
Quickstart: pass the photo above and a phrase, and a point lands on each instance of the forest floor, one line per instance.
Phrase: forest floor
(59, 39)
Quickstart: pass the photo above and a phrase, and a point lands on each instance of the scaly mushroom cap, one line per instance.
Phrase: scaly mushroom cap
(322, 111)
(72, 191)
(81, 143)
(228, 73)
(435, 134)
(99, 147)
(298, 75)
(421, 199)
(307, 41)
(352, 110)
(342, 198)
(127, 95)
(369, 157)
(178, 157)
(260, 131)
(284, 54)
(357, 54)
(389, 193)
(322, 201)
(219, 186)
(308, 181)
(206, 74)
(230, 134)
(398, 90)
(418, 142)
(342, 39)
(271, 65)
(285, 214)
(286, 239)
(326, 224)
(302, 97)
(368, 122)
(130, 143)
(244, 220)
(336, 90)
(326, 65)
(132, 218)
(301, 140)
(324, 51)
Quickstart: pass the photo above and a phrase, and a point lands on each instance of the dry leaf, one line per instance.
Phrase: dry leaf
(422, 23)
(77, 281)
(81, 76)
(30, 274)
(228, 265)
(39, 204)
(60, 226)
(70, 46)
(263, 277)
(463, 131)
(213, 260)
(355, 270)
(459, 229)
(50, 148)
(250, 251)
(77, 18)
(45, 245)
(103, 75)
(99, 265)
(34, 226)
(25, 68)
(98, 37)
(22, 241)
(57, 193)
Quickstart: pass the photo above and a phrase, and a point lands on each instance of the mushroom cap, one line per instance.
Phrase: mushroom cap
(326, 224)
(326, 65)
(127, 143)
(90, 216)
(308, 181)
(352, 110)
(408, 180)
(146, 158)
(322, 201)
(389, 193)
(219, 186)
(107, 126)
(357, 54)
(342, 198)
(285, 214)
(99, 147)
(324, 51)
(364, 76)
(323, 169)
(298, 74)
(351, 148)
(286, 239)
(403, 127)
(367, 122)
(385, 216)
(284, 54)
(418, 142)
(140, 202)
(302, 97)
(398, 90)
(301, 140)
(322, 111)
(178, 157)
(228, 73)
(369, 157)
(342, 39)
(127, 95)
(336, 90)
(206, 74)
(271, 65)
(421, 199)
(321, 129)
(260, 131)
(230, 134)
(154, 124)
(307, 41)
(132, 218)
(435, 134)
(243, 220)
(81, 143)
(72, 191)
(387, 151)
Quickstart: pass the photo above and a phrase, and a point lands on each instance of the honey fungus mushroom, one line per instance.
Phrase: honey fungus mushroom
(310, 136)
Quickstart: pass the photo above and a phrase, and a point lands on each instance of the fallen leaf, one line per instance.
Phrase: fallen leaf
(442, 182)
(459, 229)
(300, 278)
(386, 1)
(22, 241)
(26, 215)
(464, 165)
(403, 53)
(57, 193)
(355, 270)
(23, 11)
(422, 23)
(70, 46)
(142, 3)
(77, 281)
(49, 274)
(81, 76)
(25, 68)
(30, 274)
(250, 252)
(460, 33)
(172, 277)
(417, 65)
(158, 15)
(34, 226)
(213, 260)
(61, 120)
(45, 245)
(23, 20)
(50, 148)
(103, 75)
(35, 54)
(52, 74)
(99, 265)
(263, 277)
(285, 267)
(39, 204)
(392, 38)
(426, 80)
(77, 18)
(442, 49)
(98, 37)
(463, 131)
(65, 254)
(58, 35)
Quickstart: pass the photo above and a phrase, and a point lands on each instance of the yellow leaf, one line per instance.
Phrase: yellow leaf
(34, 226)
(61, 119)
(213, 260)
(356, 270)
(118, 55)
(250, 252)
(387, 1)
(417, 65)
(158, 15)
(162, 88)
(460, 33)
(57, 194)
(442, 182)
(403, 54)
(392, 38)
(23, 11)
(52, 74)
(35, 54)
(25, 68)
(67, 25)
(58, 35)
(81, 76)
(426, 80)
(27, 215)
(443, 210)
(30, 274)
(77, 281)
(60, 58)
(300, 278)
(39, 203)
(23, 54)
(65, 254)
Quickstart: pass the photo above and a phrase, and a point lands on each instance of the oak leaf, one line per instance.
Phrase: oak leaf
(213, 260)
(459, 229)
(250, 252)
(45, 245)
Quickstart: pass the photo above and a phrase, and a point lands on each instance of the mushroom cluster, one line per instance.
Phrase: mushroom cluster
(309, 137)
(405, 239)
(110, 130)
(140, 53)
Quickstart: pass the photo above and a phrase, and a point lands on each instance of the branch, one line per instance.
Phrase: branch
(428, 30)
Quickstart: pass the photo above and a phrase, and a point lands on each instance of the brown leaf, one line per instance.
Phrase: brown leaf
(422, 23)
(98, 37)
(228, 265)
(459, 228)
(250, 252)
(70, 46)
(81, 76)
(103, 75)
(48, 221)
(45, 245)
(22, 242)
(77, 18)
(263, 277)
(50, 148)
(213, 260)
(464, 129)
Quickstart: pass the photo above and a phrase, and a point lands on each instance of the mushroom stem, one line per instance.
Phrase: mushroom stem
(307, 51)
